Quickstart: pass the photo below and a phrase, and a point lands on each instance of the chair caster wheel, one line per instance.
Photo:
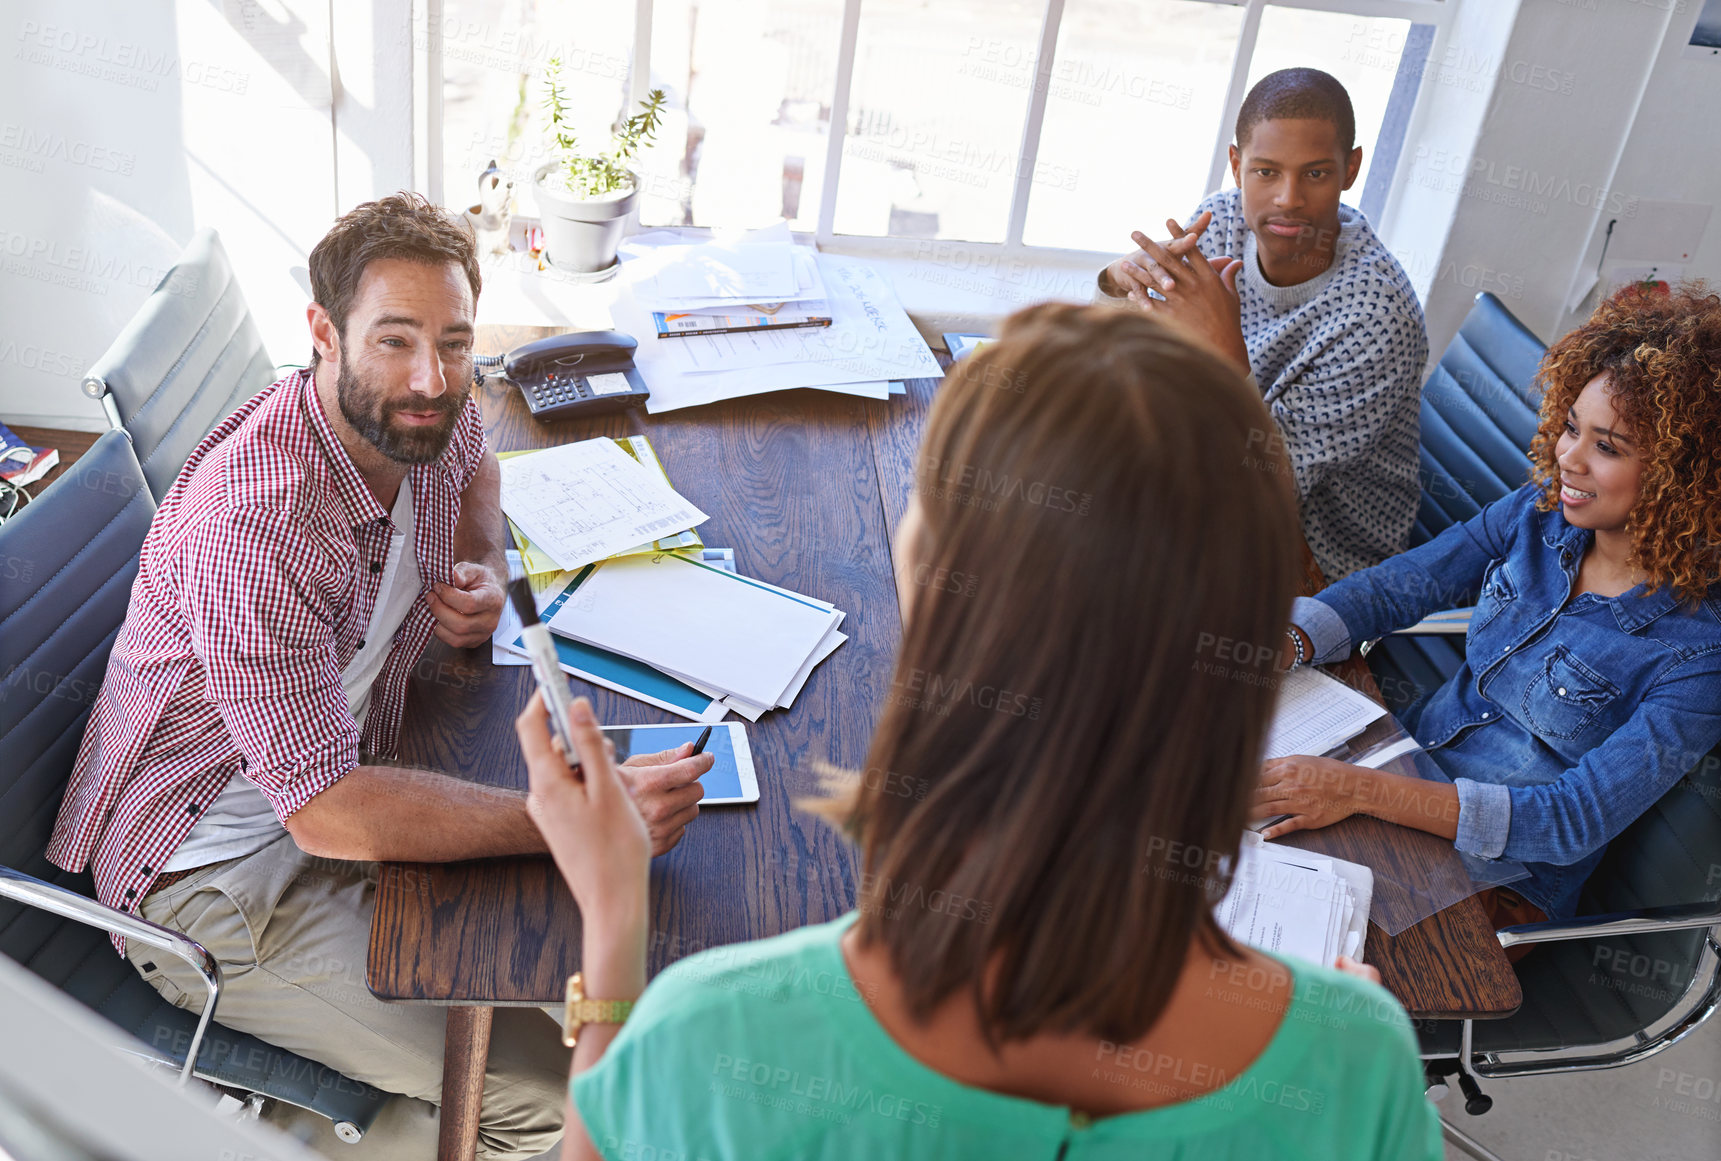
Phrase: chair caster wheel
(1476, 1102)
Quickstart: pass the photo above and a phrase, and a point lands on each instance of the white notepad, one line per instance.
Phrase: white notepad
(709, 627)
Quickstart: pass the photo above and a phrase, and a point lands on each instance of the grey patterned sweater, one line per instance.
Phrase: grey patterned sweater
(1339, 360)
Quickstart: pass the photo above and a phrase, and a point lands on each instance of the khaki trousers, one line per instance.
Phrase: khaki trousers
(291, 933)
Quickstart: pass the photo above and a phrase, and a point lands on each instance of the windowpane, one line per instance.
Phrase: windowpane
(1361, 51)
(749, 84)
(1134, 99)
(935, 117)
(493, 58)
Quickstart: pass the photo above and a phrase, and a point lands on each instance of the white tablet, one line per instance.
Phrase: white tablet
(730, 779)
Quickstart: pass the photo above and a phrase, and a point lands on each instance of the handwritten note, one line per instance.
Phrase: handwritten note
(584, 501)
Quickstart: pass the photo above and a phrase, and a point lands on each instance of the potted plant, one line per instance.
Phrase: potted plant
(585, 198)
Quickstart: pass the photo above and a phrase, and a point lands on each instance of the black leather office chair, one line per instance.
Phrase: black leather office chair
(1638, 969)
(66, 567)
(188, 358)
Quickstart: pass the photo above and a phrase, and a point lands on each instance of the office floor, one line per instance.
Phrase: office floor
(1666, 1108)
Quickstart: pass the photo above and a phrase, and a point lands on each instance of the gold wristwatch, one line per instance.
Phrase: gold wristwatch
(581, 1011)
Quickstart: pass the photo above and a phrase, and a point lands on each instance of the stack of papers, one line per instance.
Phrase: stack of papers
(720, 277)
(1291, 902)
(869, 343)
(636, 603)
(747, 642)
(680, 631)
(599, 666)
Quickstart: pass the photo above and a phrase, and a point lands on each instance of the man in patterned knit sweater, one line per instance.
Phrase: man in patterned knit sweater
(1297, 289)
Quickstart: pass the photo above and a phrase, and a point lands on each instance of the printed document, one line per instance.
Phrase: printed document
(738, 272)
(1315, 713)
(1292, 902)
(581, 502)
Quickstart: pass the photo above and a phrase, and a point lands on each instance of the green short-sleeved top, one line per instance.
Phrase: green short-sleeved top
(767, 1050)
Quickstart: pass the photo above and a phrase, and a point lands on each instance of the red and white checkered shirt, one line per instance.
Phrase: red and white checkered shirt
(254, 588)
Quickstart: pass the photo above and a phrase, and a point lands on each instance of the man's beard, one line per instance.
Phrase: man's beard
(363, 407)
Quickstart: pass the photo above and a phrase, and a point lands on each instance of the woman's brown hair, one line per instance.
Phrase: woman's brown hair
(1109, 548)
(1661, 354)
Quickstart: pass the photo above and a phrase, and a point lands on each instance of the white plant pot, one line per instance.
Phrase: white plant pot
(581, 235)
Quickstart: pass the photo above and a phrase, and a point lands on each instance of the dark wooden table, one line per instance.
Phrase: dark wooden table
(806, 487)
(70, 444)
(1449, 965)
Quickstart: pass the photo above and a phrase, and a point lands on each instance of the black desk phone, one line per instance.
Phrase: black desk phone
(574, 375)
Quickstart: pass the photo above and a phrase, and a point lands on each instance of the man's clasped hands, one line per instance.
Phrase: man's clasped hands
(1174, 282)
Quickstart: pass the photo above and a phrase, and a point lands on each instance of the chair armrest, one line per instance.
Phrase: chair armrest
(1646, 921)
(1454, 622)
(34, 892)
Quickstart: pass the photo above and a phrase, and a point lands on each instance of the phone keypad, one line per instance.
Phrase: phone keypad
(556, 390)
(547, 395)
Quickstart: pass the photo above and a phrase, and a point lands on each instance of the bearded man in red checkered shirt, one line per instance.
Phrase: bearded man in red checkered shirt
(289, 583)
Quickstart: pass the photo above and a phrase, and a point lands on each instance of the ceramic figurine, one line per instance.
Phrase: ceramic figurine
(494, 212)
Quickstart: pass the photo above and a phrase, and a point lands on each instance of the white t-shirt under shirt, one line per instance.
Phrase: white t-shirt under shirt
(240, 821)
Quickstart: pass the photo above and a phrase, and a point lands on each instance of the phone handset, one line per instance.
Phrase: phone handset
(580, 373)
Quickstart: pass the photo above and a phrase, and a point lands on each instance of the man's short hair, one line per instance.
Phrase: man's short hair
(1298, 94)
(401, 225)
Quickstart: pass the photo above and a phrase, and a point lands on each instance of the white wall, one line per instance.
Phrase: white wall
(93, 178)
(1549, 161)
(1673, 152)
(125, 125)
(373, 50)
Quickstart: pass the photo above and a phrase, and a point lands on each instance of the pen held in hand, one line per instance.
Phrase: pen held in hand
(542, 650)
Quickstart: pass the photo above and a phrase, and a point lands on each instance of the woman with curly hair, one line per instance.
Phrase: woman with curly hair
(1592, 673)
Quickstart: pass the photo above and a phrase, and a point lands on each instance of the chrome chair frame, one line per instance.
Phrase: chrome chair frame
(34, 892)
(1700, 1001)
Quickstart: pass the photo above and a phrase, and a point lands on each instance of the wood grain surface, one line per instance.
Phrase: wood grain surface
(806, 486)
(465, 1055)
(1448, 965)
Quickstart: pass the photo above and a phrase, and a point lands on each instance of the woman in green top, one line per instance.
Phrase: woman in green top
(1094, 581)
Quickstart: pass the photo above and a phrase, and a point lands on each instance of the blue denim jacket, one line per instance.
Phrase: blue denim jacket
(1568, 719)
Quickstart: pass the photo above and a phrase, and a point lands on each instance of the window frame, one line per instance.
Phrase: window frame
(1436, 14)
